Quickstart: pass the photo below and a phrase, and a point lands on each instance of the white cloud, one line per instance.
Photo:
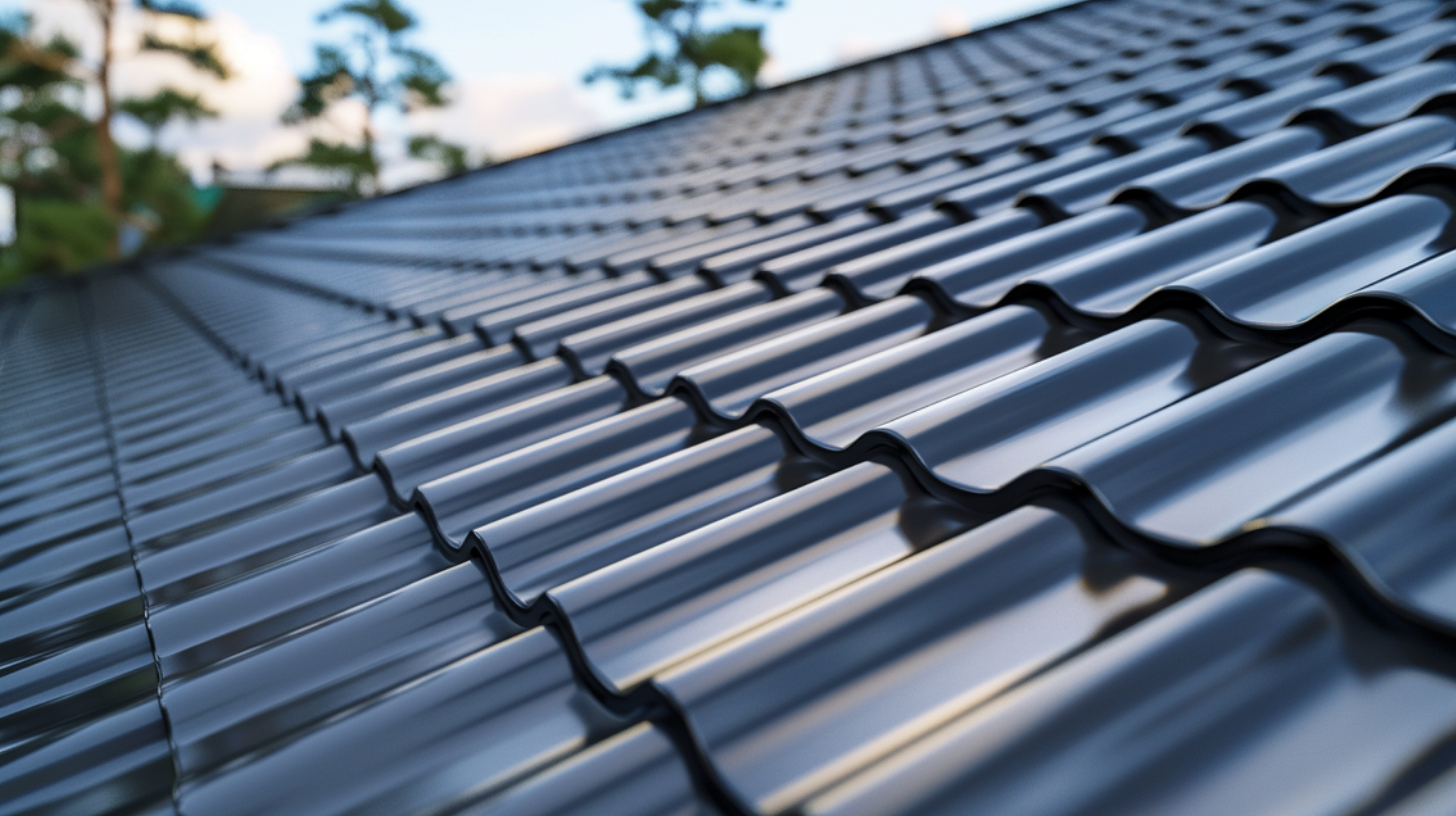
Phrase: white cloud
(952, 22)
(772, 73)
(948, 21)
(247, 133)
(854, 49)
(511, 115)
(503, 116)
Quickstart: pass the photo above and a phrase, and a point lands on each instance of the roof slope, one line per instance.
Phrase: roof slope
(1057, 419)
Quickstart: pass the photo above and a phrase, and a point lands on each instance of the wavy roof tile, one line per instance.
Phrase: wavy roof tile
(1056, 419)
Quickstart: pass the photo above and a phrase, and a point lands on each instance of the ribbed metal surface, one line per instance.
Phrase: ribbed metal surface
(1056, 419)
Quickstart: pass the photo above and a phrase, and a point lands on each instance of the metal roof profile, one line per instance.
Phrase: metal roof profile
(1056, 419)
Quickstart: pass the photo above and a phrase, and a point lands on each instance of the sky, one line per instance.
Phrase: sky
(517, 67)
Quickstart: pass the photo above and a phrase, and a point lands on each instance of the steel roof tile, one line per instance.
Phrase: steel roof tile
(904, 439)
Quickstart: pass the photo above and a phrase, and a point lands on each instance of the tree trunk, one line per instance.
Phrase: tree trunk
(105, 147)
(690, 42)
(371, 103)
(369, 149)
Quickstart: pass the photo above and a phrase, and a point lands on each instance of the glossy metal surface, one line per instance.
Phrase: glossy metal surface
(1055, 419)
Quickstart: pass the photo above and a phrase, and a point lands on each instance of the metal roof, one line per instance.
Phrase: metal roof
(1056, 419)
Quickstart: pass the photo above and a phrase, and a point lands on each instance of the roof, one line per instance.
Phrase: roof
(1055, 419)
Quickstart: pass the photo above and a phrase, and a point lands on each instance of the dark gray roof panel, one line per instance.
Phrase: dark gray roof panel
(1053, 418)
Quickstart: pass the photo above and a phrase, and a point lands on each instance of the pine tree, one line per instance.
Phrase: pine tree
(377, 67)
(166, 105)
(682, 52)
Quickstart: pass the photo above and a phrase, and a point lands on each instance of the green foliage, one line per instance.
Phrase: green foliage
(381, 14)
(47, 147)
(164, 106)
(421, 81)
(31, 65)
(682, 52)
(176, 9)
(354, 163)
(159, 197)
(738, 49)
(44, 139)
(452, 158)
(377, 67)
(56, 235)
(202, 56)
(62, 225)
(330, 81)
(49, 156)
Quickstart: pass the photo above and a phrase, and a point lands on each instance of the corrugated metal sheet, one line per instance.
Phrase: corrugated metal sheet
(1056, 419)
